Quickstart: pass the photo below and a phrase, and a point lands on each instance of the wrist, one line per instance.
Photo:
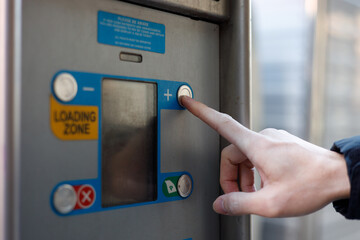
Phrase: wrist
(338, 177)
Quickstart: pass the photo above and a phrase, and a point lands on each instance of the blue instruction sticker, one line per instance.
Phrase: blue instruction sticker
(130, 32)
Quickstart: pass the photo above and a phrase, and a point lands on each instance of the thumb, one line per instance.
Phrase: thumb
(240, 203)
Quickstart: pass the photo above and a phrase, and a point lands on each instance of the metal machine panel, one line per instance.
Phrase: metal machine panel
(235, 42)
(47, 38)
(211, 10)
(58, 35)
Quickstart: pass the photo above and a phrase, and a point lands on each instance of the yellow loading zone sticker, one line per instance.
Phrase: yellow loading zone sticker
(74, 122)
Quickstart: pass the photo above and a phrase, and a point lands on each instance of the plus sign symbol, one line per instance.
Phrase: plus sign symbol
(85, 196)
(167, 95)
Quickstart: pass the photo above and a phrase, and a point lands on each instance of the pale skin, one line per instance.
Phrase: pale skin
(297, 177)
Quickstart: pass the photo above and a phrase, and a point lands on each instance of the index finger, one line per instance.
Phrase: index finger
(225, 125)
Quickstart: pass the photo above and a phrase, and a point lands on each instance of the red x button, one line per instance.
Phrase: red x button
(85, 196)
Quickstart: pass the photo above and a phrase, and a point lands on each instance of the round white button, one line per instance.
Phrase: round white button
(184, 185)
(184, 90)
(65, 87)
(64, 198)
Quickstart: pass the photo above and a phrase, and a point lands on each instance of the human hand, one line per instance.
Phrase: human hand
(297, 177)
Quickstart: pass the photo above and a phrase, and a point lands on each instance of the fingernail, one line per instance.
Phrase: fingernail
(218, 206)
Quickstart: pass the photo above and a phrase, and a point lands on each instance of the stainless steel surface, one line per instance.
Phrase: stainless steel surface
(184, 90)
(64, 198)
(61, 35)
(12, 118)
(184, 185)
(235, 86)
(129, 117)
(65, 87)
(210, 10)
(3, 85)
(45, 38)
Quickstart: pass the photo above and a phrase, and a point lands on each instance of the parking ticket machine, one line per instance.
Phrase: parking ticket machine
(96, 142)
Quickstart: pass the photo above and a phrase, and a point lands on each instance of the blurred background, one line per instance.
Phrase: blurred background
(306, 80)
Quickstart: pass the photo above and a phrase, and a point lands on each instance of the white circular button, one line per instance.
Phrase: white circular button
(65, 87)
(184, 185)
(64, 198)
(184, 90)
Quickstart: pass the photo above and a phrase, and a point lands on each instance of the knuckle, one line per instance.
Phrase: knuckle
(226, 118)
(225, 152)
(268, 131)
(283, 131)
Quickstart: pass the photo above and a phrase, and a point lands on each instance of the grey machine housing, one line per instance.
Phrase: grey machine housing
(208, 46)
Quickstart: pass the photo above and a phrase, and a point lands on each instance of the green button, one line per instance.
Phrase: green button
(169, 187)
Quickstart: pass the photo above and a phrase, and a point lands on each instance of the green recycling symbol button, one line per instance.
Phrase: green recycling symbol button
(169, 187)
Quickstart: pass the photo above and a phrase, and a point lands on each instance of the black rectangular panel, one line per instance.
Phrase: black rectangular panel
(129, 142)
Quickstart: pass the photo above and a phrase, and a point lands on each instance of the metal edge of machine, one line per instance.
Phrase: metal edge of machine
(10, 118)
(3, 16)
(210, 10)
(235, 91)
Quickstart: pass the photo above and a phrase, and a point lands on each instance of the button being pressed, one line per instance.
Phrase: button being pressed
(184, 90)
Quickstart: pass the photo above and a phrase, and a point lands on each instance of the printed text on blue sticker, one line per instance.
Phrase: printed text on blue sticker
(129, 32)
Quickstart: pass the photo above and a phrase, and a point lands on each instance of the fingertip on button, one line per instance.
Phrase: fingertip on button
(184, 90)
(181, 99)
